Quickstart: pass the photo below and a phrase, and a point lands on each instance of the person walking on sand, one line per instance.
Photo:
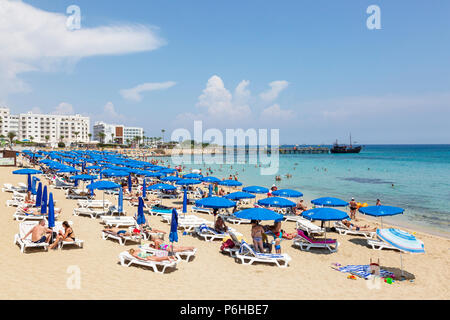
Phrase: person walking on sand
(353, 208)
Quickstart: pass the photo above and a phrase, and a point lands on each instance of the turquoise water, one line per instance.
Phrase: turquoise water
(420, 175)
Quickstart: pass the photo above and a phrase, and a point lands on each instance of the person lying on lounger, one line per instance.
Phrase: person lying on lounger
(142, 255)
(67, 235)
(145, 228)
(28, 199)
(220, 226)
(160, 245)
(37, 211)
(117, 231)
(352, 226)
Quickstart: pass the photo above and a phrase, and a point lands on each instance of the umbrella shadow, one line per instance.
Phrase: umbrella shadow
(314, 250)
(149, 268)
(398, 273)
(360, 242)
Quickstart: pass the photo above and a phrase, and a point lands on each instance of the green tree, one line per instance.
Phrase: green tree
(101, 135)
(11, 136)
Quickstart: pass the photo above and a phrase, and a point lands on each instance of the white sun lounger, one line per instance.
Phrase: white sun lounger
(122, 239)
(181, 256)
(8, 187)
(343, 229)
(248, 256)
(380, 245)
(121, 221)
(59, 227)
(201, 210)
(308, 226)
(306, 243)
(58, 183)
(24, 228)
(234, 220)
(94, 203)
(88, 212)
(126, 259)
(21, 215)
(209, 234)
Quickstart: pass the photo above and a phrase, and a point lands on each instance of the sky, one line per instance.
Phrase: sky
(312, 69)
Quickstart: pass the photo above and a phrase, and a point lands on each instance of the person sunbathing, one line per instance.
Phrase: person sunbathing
(28, 199)
(142, 255)
(67, 235)
(300, 208)
(220, 226)
(352, 226)
(117, 231)
(160, 245)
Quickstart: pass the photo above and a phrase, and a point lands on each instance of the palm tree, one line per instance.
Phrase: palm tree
(90, 136)
(128, 141)
(112, 137)
(101, 135)
(137, 138)
(76, 133)
(31, 138)
(46, 139)
(11, 136)
(61, 138)
(162, 131)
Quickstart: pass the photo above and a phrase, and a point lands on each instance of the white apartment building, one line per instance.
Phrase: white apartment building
(66, 128)
(116, 133)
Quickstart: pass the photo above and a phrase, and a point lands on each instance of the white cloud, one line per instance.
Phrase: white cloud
(275, 112)
(134, 94)
(36, 110)
(64, 108)
(32, 39)
(276, 87)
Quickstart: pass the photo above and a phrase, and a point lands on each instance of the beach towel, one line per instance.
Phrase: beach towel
(363, 271)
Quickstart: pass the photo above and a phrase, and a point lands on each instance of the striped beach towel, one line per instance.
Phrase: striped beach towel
(363, 271)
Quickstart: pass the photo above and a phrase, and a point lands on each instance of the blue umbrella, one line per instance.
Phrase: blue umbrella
(44, 201)
(215, 203)
(154, 174)
(255, 189)
(185, 200)
(258, 214)
(39, 195)
(288, 193)
(329, 202)
(230, 183)
(162, 186)
(210, 179)
(129, 183)
(325, 214)
(170, 179)
(276, 202)
(168, 170)
(83, 177)
(114, 173)
(33, 185)
(144, 189)
(140, 215)
(401, 240)
(51, 211)
(210, 188)
(29, 186)
(120, 201)
(186, 182)
(192, 176)
(381, 211)
(27, 171)
(103, 185)
(240, 195)
(173, 235)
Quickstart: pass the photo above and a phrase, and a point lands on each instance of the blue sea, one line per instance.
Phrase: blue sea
(414, 177)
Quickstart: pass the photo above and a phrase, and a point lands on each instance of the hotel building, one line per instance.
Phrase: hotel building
(116, 133)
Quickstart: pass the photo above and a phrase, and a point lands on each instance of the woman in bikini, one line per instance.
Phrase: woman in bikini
(67, 235)
(160, 245)
(352, 226)
(142, 255)
(257, 234)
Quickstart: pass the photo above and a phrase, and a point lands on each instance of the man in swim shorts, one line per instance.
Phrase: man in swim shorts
(39, 233)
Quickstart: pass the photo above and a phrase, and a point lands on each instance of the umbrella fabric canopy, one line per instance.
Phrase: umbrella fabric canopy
(93, 168)
(170, 178)
(39, 195)
(129, 183)
(210, 189)
(289, 193)
(325, 214)
(215, 203)
(401, 240)
(27, 171)
(381, 211)
(103, 185)
(210, 179)
(162, 186)
(120, 201)
(44, 201)
(173, 236)
(185, 200)
(34, 180)
(240, 195)
(185, 182)
(140, 215)
(276, 202)
(154, 174)
(329, 202)
(51, 211)
(255, 189)
(258, 214)
(114, 173)
(230, 183)
(144, 189)
(192, 176)
(168, 170)
(29, 183)
(68, 170)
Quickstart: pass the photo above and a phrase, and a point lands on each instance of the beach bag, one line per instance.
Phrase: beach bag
(229, 244)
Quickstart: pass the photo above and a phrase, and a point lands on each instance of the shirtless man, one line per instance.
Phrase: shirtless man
(300, 207)
(39, 233)
(117, 231)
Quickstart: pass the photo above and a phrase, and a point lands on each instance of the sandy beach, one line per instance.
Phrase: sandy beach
(211, 275)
